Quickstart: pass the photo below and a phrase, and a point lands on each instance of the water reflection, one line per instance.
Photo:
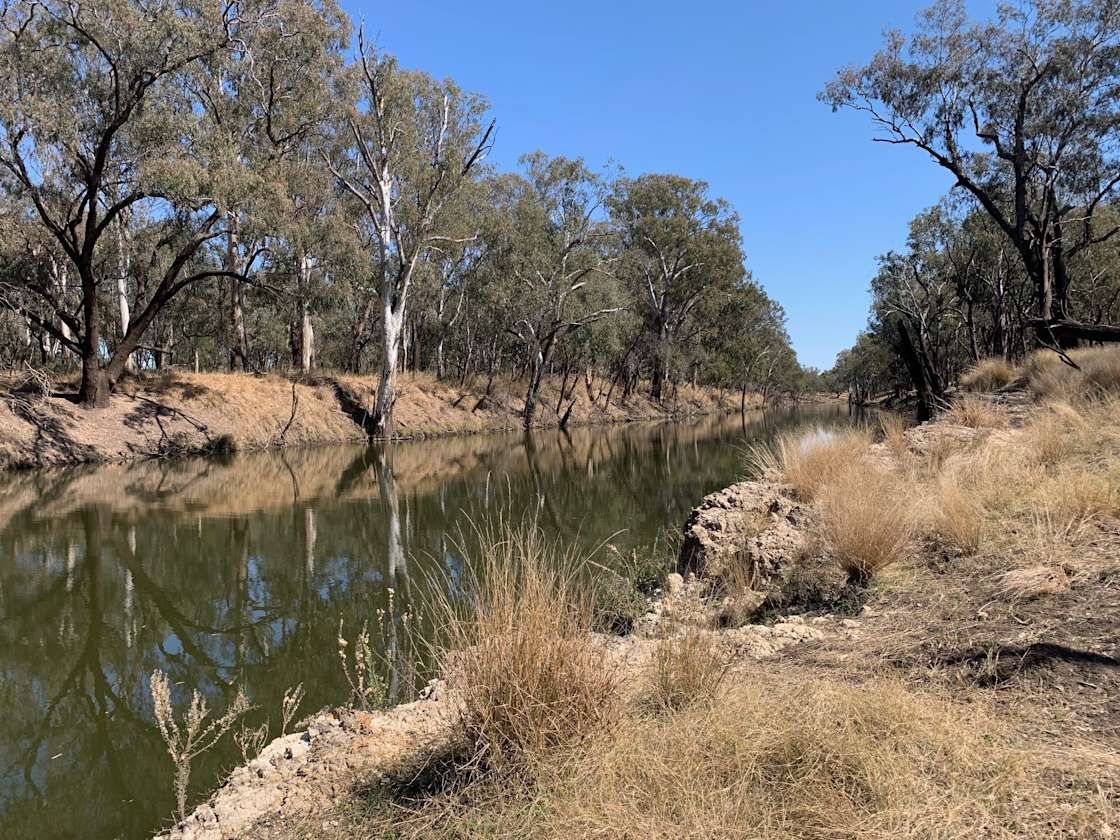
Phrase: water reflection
(236, 571)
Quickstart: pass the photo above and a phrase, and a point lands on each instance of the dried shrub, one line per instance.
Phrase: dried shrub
(521, 652)
(812, 459)
(989, 375)
(867, 521)
(197, 732)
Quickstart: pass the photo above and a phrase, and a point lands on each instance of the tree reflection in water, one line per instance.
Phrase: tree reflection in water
(235, 572)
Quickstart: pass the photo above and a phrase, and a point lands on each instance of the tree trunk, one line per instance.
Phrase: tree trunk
(94, 391)
(238, 338)
(382, 421)
(543, 357)
(124, 267)
(303, 347)
(917, 372)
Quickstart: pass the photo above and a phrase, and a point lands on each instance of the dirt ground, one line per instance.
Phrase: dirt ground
(183, 413)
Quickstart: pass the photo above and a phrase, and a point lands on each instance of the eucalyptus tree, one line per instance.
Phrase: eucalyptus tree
(1023, 111)
(681, 247)
(559, 254)
(97, 121)
(405, 146)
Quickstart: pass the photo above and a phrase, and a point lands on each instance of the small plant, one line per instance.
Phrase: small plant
(617, 604)
(989, 375)
(686, 669)
(367, 690)
(293, 697)
(251, 741)
(197, 733)
(867, 521)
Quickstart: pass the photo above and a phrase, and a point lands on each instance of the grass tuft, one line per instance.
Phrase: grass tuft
(685, 669)
(976, 413)
(867, 521)
(811, 460)
(521, 652)
(989, 375)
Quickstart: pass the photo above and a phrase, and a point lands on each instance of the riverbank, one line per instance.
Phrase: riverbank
(909, 638)
(174, 414)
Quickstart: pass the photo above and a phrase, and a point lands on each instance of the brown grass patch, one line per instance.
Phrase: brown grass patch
(685, 669)
(959, 514)
(893, 427)
(989, 375)
(976, 413)
(521, 652)
(813, 459)
(1097, 374)
(867, 520)
(785, 758)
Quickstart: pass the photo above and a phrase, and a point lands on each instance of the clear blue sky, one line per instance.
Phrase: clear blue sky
(721, 91)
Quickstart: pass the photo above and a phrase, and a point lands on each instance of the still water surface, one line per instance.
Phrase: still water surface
(237, 571)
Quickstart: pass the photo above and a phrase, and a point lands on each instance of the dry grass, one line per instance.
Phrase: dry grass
(959, 514)
(521, 652)
(1048, 376)
(893, 427)
(1057, 432)
(775, 759)
(812, 459)
(989, 375)
(867, 520)
(976, 413)
(1032, 582)
(686, 668)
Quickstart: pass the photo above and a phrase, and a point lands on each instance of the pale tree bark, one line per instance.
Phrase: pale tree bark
(124, 268)
(238, 337)
(304, 345)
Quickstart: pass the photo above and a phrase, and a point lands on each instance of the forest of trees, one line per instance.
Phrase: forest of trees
(250, 185)
(1024, 113)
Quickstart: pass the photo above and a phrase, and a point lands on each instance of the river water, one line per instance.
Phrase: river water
(237, 570)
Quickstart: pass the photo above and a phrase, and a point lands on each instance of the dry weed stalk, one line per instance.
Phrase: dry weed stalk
(367, 690)
(250, 741)
(293, 697)
(197, 733)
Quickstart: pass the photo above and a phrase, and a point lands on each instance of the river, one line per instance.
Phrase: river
(237, 570)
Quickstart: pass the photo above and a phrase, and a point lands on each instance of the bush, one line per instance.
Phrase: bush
(812, 459)
(616, 604)
(867, 521)
(521, 653)
(989, 375)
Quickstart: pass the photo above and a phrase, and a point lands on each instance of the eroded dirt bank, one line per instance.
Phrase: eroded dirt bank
(184, 413)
